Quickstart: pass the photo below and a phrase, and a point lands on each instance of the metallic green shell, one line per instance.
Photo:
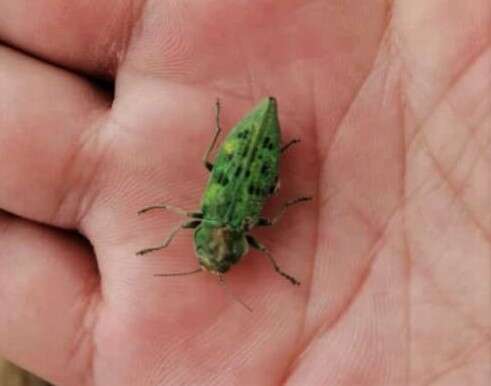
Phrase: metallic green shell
(245, 171)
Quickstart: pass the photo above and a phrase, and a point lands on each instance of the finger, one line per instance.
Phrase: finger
(49, 289)
(47, 118)
(83, 35)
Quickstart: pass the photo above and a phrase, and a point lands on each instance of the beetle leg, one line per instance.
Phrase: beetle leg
(198, 270)
(256, 245)
(287, 145)
(206, 161)
(276, 188)
(172, 208)
(266, 221)
(187, 225)
(222, 281)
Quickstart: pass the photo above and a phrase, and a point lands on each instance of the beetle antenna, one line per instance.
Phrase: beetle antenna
(231, 293)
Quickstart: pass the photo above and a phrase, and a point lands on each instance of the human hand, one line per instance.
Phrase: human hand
(392, 105)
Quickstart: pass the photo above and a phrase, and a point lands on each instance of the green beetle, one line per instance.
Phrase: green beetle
(243, 176)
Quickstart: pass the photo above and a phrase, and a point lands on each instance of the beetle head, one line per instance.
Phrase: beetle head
(218, 248)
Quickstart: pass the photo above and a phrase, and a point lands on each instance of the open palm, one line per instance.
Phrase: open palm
(393, 108)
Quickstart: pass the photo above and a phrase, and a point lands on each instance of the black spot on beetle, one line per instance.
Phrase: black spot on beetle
(221, 178)
(264, 169)
(268, 143)
(245, 149)
(254, 190)
(243, 134)
(238, 171)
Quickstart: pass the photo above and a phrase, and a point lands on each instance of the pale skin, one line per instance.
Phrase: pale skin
(391, 101)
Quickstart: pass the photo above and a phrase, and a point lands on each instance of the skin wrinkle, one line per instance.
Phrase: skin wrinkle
(405, 228)
(420, 130)
(443, 96)
(88, 198)
(322, 159)
(137, 30)
(294, 359)
(6, 221)
(137, 10)
(133, 12)
(75, 167)
(336, 132)
(473, 324)
(84, 339)
(445, 174)
(91, 307)
(331, 323)
(91, 303)
(453, 108)
(472, 133)
(473, 130)
(113, 50)
(371, 70)
(191, 340)
(451, 305)
(414, 194)
(6, 45)
(38, 56)
(393, 48)
(409, 275)
(373, 251)
(95, 301)
(455, 193)
(455, 363)
(238, 361)
(383, 231)
(390, 41)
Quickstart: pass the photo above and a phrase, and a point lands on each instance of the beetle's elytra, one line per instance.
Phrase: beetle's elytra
(243, 176)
